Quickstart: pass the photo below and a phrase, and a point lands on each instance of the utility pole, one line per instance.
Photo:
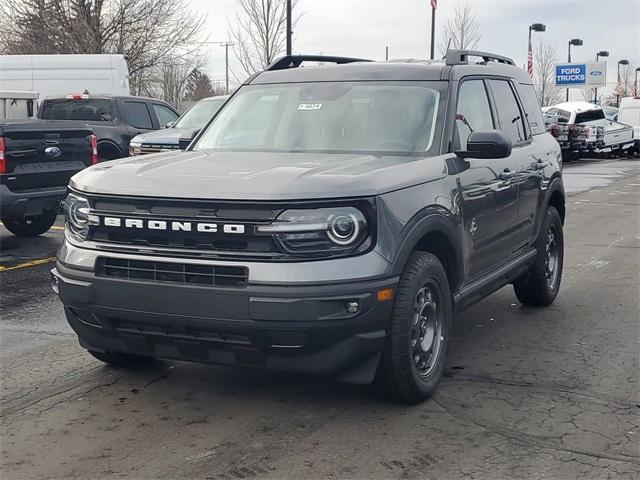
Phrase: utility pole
(289, 32)
(386, 54)
(226, 46)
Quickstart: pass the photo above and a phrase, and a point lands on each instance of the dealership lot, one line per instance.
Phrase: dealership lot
(528, 393)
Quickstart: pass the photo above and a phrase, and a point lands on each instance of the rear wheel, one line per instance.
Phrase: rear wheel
(414, 356)
(31, 226)
(540, 285)
(121, 359)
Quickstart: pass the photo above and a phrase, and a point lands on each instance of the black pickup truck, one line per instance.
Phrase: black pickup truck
(37, 159)
(115, 120)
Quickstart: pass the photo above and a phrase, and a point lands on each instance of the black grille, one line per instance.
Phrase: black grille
(169, 272)
(188, 242)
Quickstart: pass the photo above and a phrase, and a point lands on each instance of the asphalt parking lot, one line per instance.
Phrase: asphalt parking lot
(529, 393)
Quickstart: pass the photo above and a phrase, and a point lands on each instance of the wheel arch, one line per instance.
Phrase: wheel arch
(105, 145)
(437, 234)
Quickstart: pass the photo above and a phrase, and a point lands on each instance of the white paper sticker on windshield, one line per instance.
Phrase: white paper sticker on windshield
(310, 106)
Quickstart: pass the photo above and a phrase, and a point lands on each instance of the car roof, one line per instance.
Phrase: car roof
(393, 70)
(103, 96)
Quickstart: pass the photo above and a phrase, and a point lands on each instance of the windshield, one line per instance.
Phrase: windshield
(199, 114)
(381, 117)
(94, 110)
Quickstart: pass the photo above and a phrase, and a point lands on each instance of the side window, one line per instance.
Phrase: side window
(138, 115)
(531, 108)
(509, 115)
(473, 112)
(164, 114)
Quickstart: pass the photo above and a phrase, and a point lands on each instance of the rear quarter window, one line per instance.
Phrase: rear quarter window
(532, 110)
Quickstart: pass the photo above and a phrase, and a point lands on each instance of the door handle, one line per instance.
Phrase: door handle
(541, 165)
(506, 174)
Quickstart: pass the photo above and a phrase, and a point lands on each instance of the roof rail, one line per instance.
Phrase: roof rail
(294, 61)
(461, 57)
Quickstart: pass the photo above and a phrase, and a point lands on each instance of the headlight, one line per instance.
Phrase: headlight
(320, 231)
(135, 148)
(78, 216)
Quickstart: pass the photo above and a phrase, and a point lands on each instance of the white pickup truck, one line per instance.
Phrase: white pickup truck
(582, 127)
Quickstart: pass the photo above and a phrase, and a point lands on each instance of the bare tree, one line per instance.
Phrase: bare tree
(462, 31)
(147, 32)
(627, 77)
(545, 58)
(259, 32)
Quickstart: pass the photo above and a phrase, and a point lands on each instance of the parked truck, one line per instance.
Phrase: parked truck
(37, 159)
(582, 127)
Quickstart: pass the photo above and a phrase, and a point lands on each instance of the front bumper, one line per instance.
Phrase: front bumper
(303, 328)
(29, 203)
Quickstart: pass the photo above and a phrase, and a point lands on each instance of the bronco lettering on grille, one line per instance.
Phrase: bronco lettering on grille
(175, 226)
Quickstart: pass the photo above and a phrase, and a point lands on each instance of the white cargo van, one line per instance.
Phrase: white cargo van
(63, 74)
(629, 113)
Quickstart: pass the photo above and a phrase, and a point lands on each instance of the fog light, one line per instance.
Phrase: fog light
(353, 307)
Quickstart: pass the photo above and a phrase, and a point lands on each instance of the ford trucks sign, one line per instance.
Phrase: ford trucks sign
(587, 75)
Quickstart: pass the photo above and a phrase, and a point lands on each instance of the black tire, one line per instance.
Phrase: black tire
(540, 285)
(121, 359)
(400, 374)
(32, 226)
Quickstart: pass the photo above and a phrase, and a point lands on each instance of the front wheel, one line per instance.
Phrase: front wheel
(414, 355)
(31, 226)
(540, 285)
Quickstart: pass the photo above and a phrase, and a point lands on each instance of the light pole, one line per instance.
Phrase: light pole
(534, 27)
(618, 82)
(601, 53)
(576, 42)
(289, 32)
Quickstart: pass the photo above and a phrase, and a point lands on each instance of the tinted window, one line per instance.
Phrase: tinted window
(590, 116)
(138, 115)
(390, 117)
(164, 114)
(531, 108)
(509, 115)
(93, 110)
(473, 112)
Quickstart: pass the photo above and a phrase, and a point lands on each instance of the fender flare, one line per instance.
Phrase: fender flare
(422, 224)
(111, 144)
(555, 185)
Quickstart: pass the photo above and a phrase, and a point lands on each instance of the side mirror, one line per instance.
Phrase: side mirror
(170, 124)
(487, 144)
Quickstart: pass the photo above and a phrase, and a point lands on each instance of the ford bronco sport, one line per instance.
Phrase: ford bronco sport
(327, 220)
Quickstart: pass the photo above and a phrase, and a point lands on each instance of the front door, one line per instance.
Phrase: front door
(489, 187)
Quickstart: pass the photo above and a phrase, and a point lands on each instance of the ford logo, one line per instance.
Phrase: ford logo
(52, 152)
(596, 73)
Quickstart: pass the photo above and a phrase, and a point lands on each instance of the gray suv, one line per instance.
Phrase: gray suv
(328, 220)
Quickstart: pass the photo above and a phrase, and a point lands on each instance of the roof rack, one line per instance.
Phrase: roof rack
(461, 57)
(294, 61)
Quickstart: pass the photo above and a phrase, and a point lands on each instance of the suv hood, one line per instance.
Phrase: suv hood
(166, 136)
(257, 175)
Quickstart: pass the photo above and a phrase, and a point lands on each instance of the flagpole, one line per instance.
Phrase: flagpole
(433, 29)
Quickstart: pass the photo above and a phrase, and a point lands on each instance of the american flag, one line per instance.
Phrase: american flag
(530, 60)
(434, 4)
(634, 90)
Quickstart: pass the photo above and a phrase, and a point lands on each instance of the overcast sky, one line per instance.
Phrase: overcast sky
(363, 28)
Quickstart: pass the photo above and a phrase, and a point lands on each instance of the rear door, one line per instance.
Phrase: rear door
(138, 118)
(488, 186)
